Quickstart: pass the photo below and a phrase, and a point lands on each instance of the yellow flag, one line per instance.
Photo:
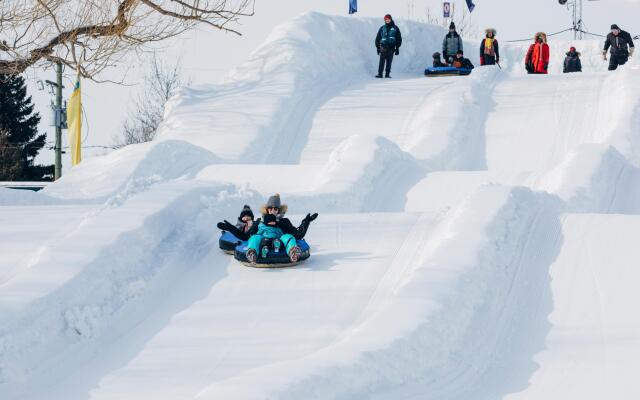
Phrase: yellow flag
(74, 123)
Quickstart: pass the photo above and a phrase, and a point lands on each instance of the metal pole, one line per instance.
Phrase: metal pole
(58, 147)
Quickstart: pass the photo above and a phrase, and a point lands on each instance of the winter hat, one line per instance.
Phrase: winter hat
(436, 55)
(269, 218)
(246, 211)
(388, 16)
(572, 49)
(274, 201)
(452, 25)
(459, 52)
(614, 26)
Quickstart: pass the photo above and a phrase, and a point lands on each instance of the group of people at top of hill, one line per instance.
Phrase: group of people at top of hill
(278, 230)
(618, 43)
(389, 39)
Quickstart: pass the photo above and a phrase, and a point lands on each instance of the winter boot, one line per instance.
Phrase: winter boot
(251, 256)
(387, 76)
(276, 245)
(294, 253)
(379, 76)
(264, 252)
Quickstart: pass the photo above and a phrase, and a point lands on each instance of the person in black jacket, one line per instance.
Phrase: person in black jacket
(460, 62)
(388, 42)
(436, 61)
(572, 61)
(274, 207)
(621, 45)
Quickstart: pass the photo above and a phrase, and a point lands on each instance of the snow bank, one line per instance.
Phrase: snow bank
(447, 132)
(98, 178)
(54, 316)
(264, 111)
(363, 174)
(449, 312)
(595, 178)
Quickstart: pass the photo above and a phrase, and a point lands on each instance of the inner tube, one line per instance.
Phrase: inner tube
(228, 242)
(446, 71)
(273, 259)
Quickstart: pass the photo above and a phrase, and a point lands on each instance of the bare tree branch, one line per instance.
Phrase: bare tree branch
(90, 35)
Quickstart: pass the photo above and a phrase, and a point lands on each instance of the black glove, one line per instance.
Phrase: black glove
(312, 217)
(378, 50)
(397, 52)
(225, 226)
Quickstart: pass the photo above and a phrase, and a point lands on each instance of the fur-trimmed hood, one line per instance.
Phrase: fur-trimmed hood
(490, 30)
(274, 201)
(538, 34)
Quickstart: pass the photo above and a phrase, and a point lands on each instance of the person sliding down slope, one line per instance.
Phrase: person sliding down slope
(273, 206)
(537, 60)
(268, 229)
(437, 63)
(621, 45)
(245, 220)
(388, 42)
(489, 50)
(572, 61)
(460, 62)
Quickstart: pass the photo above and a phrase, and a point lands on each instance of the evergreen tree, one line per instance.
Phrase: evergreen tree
(20, 142)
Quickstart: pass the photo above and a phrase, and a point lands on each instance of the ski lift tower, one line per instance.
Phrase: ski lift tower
(576, 10)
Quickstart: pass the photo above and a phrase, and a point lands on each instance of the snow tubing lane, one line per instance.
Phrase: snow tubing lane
(228, 242)
(446, 71)
(273, 260)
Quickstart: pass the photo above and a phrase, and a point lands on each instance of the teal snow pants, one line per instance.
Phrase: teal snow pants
(288, 241)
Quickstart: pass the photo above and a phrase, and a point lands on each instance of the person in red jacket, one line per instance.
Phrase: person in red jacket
(537, 60)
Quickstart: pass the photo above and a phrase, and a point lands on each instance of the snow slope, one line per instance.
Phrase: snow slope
(474, 238)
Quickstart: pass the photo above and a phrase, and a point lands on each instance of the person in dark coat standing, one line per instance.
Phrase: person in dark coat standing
(388, 42)
(451, 43)
(489, 50)
(621, 45)
(572, 61)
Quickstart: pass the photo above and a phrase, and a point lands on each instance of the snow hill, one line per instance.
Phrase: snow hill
(476, 236)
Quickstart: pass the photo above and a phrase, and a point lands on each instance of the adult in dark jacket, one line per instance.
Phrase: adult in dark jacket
(572, 61)
(388, 42)
(621, 45)
(460, 62)
(451, 43)
(274, 207)
(489, 50)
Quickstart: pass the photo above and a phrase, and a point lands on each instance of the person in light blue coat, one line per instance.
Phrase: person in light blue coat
(268, 229)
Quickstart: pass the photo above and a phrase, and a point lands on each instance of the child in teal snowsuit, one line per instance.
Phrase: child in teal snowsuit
(268, 229)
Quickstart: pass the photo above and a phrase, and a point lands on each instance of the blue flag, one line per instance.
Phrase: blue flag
(353, 6)
(470, 5)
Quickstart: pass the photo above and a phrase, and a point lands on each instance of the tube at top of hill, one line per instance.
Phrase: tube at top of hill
(446, 71)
